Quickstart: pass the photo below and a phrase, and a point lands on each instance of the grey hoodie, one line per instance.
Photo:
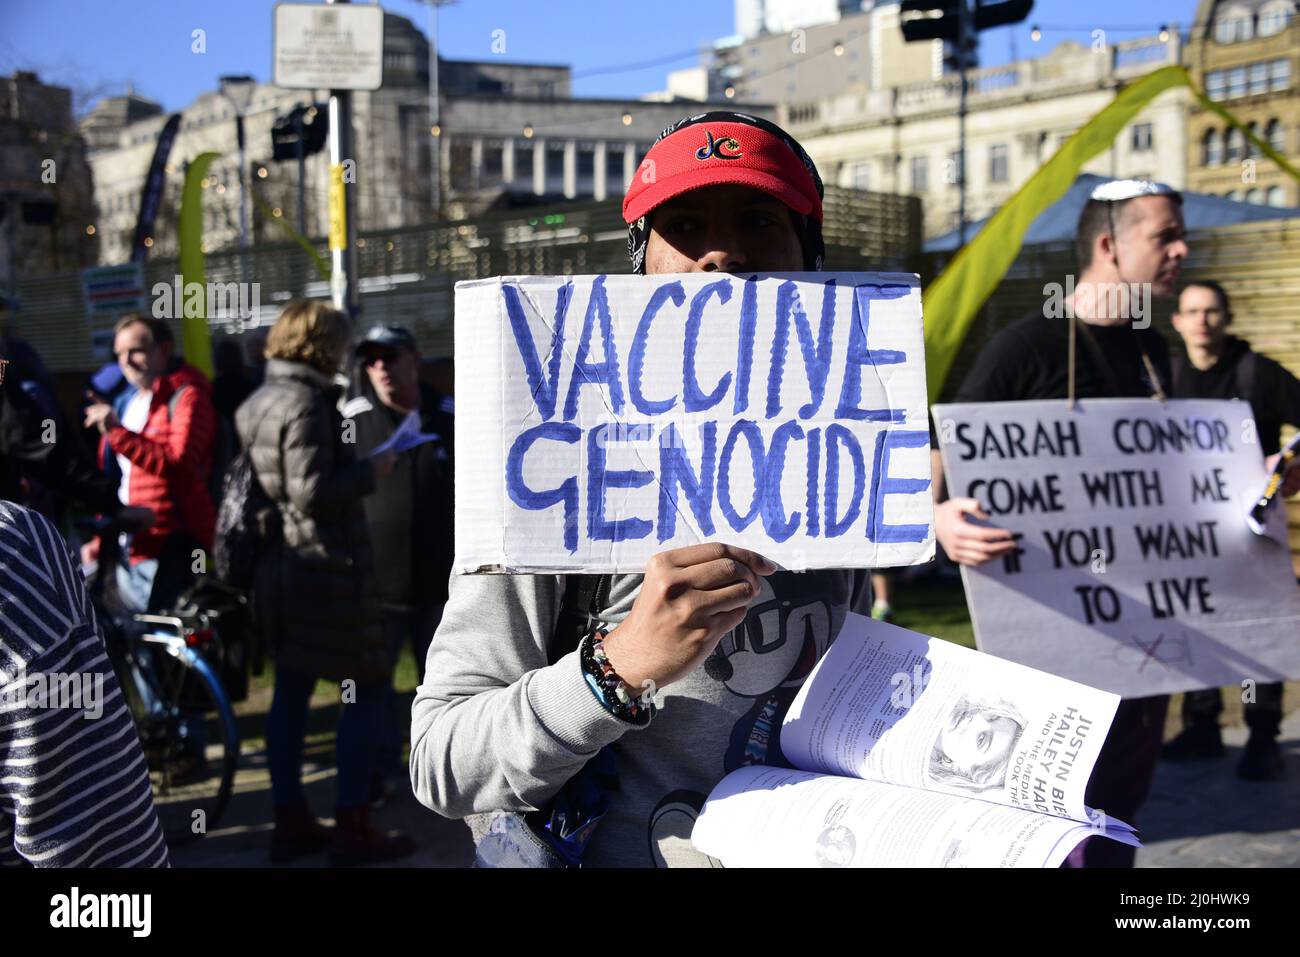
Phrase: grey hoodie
(495, 728)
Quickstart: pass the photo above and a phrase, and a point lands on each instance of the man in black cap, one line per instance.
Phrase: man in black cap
(410, 516)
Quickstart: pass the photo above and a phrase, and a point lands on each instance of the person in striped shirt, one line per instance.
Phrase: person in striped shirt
(74, 787)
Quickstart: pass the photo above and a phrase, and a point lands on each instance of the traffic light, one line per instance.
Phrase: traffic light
(943, 26)
(989, 15)
(314, 122)
(941, 19)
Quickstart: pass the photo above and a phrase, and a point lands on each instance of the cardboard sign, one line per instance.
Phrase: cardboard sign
(1136, 571)
(603, 419)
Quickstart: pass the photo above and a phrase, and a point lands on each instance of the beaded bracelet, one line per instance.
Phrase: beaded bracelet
(611, 690)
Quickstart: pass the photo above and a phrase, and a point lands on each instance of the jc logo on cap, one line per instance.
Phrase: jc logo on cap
(713, 147)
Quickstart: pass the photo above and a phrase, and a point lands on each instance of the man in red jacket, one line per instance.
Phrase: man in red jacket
(162, 432)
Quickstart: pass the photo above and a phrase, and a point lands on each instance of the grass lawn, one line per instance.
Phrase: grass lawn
(934, 607)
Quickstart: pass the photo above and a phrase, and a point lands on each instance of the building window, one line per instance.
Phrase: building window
(1211, 148)
(1249, 145)
(460, 173)
(1255, 195)
(920, 174)
(1236, 82)
(554, 167)
(1143, 137)
(1275, 135)
(586, 169)
(953, 169)
(490, 174)
(1215, 85)
(1281, 71)
(1235, 196)
(998, 163)
(1235, 150)
(1235, 25)
(1259, 78)
(860, 175)
(1272, 20)
(613, 168)
(1276, 196)
(524, 162)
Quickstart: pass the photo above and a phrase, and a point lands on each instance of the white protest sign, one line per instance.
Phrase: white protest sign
(603, 419)
(1136, 571)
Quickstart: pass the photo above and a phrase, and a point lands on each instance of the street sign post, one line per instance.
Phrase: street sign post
(337, 46)
(329, 46)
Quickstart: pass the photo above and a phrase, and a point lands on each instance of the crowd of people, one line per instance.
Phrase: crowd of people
(329, 604)
(357, 545)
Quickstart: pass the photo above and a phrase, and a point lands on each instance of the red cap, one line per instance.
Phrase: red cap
(712, 154)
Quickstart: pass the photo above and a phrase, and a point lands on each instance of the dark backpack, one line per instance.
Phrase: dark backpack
(248, 523)
(223, 450)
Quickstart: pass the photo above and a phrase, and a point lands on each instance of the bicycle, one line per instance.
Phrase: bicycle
(168, 666)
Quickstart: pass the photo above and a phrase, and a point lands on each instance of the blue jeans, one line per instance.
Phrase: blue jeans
(354, 748)
(416, 626)
(135, 582)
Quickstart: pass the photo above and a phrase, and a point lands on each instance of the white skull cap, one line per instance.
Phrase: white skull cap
(1118, 190)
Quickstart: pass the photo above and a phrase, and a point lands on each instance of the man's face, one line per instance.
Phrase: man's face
(1201, 319)
(723, 229)
(394, 373)
(141, 359)
(1151, 244)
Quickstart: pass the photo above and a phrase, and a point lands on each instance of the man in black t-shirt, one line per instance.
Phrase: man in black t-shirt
(1130, 240)
(1221, 366)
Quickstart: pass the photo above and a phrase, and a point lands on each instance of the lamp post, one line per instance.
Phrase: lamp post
(238, 91)
(435, 111)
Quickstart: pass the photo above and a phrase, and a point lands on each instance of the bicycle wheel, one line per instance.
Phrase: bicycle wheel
(188, 732)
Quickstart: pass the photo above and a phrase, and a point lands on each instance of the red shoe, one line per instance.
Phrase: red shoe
(297, 833)
(356, 841)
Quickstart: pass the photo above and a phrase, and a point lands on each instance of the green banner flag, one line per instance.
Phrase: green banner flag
(952, 301)
(196, 340)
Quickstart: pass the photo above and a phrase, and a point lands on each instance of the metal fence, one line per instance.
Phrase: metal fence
(1257, 263)
(408, 275)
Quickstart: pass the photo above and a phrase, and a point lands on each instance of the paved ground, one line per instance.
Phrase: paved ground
(1199, 815)
(1203, 815)
(242, 836)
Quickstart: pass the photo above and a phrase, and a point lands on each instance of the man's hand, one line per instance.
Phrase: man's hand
(384, 462)
(100, 415)
(1290, 478)
(690, 598)
(965, 542)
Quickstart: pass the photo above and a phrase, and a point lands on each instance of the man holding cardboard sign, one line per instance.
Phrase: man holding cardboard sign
(509, 713)
(1130, 244)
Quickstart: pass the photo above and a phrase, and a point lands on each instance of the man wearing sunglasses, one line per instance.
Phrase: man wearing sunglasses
(410, 515)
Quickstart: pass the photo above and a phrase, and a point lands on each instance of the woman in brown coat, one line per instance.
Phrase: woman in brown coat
(314, 591)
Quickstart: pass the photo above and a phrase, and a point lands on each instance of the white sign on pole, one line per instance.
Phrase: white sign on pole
(329, 47)
(603, 419)
(1135, 570)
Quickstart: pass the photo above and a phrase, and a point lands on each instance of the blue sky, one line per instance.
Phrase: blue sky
(98, 47)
